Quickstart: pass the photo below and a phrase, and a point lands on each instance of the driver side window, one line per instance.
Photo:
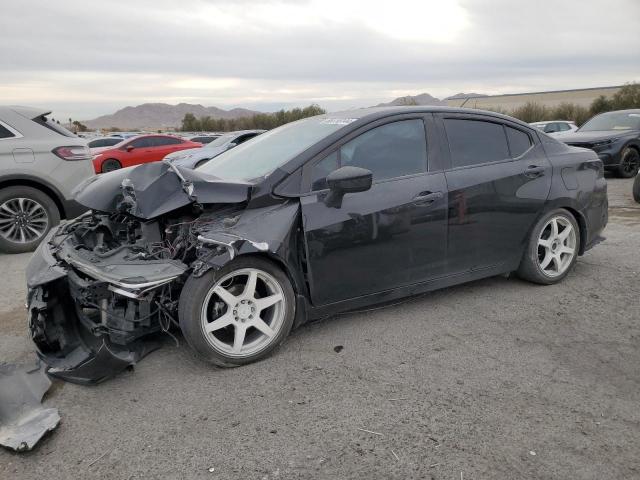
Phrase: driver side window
(393, 150)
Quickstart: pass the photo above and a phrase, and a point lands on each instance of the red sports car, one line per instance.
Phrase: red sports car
(141, 149)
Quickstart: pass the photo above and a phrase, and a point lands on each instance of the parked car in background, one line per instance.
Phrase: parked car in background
(104, 142)
(553, 127)
(198, 157)
(42, 162)
(615, 137)
(140, 149)
(204, 138)
(636, 188)
(319, 216)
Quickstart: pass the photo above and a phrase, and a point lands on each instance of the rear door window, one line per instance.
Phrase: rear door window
(519, 141)
(474, 142)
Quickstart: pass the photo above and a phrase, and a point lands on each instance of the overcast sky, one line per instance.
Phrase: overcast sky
(87, 58)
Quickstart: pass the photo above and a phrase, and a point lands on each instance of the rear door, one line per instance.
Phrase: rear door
(498, 179)
(391, 235)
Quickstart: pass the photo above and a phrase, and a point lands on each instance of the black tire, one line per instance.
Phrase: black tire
(530, 265)
(636, 189)
(192, 299)
(629, 163)
(109, 165)
(7, 244)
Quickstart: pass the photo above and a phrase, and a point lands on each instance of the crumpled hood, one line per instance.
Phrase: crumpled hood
(152, 189)
(594, 136)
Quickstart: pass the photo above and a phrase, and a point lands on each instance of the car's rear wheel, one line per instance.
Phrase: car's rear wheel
(238, 314)
(629, 163)
(110, 164)
(552, 249)
(26, 216)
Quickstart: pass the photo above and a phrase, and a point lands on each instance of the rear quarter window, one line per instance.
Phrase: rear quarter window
(5, 132)
(519, 141)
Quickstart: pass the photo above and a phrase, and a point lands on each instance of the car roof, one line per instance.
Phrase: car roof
(373, 113)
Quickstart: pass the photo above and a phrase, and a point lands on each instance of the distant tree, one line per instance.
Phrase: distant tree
(190, 123)
(600, 104)
(627, 97)
(79, 127)
(263, 121)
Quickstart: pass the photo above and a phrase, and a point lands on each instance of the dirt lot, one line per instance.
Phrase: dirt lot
(493, 379)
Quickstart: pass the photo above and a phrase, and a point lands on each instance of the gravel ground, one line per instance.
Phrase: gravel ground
(493, 379)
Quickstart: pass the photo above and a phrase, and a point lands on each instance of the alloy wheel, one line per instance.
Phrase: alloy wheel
(243, 312)
(556, 246)
(23, 220)
(631, 163)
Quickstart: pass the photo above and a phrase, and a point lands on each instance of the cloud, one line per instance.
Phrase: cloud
(90, 58)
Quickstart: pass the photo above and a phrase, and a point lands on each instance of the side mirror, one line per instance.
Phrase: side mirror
(346, 180)
(130, 147)
(231, 145)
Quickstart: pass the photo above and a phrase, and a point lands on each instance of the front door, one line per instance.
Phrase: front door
(389, 236)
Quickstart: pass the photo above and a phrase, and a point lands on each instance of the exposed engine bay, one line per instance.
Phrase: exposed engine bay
(122, 282)
(105, 286)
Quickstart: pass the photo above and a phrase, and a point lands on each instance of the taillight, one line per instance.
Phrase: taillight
(74, 152)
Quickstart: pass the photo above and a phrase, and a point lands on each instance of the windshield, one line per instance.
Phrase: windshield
(266, 152)
(613, 121)
(220, 141)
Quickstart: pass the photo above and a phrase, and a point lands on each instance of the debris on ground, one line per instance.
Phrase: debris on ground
(23, 419)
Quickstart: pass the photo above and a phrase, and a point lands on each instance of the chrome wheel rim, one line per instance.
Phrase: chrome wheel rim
(243, 312)
(22, 220)
(556, 246)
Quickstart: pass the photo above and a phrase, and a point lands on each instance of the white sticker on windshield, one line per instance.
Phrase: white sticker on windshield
(338, 121)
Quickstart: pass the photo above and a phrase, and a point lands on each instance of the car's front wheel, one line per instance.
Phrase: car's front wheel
(26, 216)
(239, 313)
(629, 163)
(552, 249)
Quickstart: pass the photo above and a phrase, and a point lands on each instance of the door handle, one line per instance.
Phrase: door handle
(426, 198)
(534, 171)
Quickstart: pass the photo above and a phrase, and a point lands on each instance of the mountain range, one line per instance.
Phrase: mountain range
(161, 115)
(151, 116)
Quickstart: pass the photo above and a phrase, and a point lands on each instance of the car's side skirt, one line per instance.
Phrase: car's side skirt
(409, 290)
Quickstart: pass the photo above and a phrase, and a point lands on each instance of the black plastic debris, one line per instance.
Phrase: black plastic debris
(23, 419)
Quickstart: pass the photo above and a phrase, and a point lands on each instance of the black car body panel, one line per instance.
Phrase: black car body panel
(101, 286)
(153, 189)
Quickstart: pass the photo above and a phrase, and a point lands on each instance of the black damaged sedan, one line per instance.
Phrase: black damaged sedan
(323, 215)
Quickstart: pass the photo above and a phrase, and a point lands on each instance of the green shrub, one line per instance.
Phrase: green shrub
(263, 121)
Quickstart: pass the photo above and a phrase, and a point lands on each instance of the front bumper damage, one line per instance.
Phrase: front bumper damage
(87, 315)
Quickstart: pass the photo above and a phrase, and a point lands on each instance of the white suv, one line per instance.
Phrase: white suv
(41, 162)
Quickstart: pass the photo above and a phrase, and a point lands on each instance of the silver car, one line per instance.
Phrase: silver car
(41, 162)
(195, 157)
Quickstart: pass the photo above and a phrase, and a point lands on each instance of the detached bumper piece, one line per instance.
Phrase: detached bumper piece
(88, 345)
(23, 419)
